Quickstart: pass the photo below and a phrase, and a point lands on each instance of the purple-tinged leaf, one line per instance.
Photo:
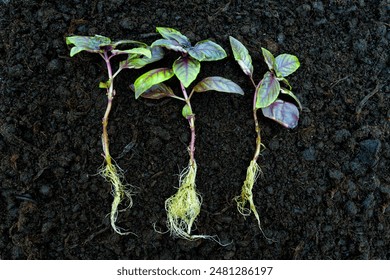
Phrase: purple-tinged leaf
(267, 91)
(269, 58)
(285, 113)
(151, 78)
(241, 55)
(137, 61)
(286, 64)
(138, 51)
(289, 92)
(186, 69)
(87, 43)
(218, 84)
(158, 91)
(172, 34)
(169, 44)
(207, 51)
(129, 42)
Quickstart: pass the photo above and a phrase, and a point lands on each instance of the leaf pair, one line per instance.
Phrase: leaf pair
(137, 58)
(97, 44)
(187, 67)
(150, 85)
(87, 43)
(268, 90)
(283, 65)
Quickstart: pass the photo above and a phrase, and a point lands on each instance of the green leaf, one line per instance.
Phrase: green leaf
(172, 34)
(289, 93)
(285, 113)
(218, 84)
(186, 70)
(207, 51)
(241, 55)
(286, 64)
(269, 58)
(151, 78)
(104, 84)
(267, 91)
(137, 61)
(186, 111)
(157, 92)
(169, 44)
(87, 43)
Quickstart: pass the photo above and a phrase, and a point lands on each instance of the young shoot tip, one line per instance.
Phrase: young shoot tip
(114, 175)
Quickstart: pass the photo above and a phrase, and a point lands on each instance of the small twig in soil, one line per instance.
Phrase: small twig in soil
(332, 85)
(365, 100)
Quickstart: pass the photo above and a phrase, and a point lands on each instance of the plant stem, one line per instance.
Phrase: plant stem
(191, 121)
(110, 97)
(110, 172)
(253, 82)
(257, 129)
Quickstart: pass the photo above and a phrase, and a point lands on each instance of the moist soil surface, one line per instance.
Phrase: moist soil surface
(325, 188)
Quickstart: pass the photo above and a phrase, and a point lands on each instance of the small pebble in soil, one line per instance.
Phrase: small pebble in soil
(369, 202)
(342, 135)
(15, 71)
(360, 46)
(45, 190)
(55, 66)
(318, 6)
(368, 153)
(351, 208)
(309, 154)
(162, 133)
(336, 174)
(352, 191)
(273, 144)
(281, 37)
(126, 23)
(154, 144)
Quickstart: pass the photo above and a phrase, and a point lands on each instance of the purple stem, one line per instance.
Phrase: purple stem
(191, 121)
(257, 126)
(110, 97)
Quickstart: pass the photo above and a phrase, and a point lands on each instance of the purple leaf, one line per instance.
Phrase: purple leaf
(267, 91)
(218, 84)
(157, 92)
(137, 61)
(169, 44)
(186, 69)
(151, 78)
(286, 64)
(283, 112)
(87, 43)
(207, 51)
(269, 58)
(172, 34)
(241, 55)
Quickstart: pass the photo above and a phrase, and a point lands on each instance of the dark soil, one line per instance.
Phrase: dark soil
(325, 193)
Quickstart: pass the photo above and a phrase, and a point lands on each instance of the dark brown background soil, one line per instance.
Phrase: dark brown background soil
(325, 193)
